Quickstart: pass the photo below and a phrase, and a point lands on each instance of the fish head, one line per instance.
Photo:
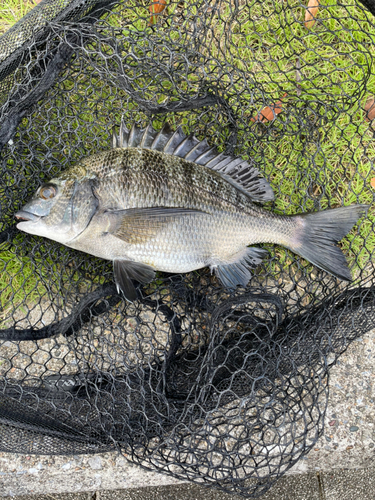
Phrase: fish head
(61, 209)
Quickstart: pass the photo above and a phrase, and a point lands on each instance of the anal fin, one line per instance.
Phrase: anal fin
(126, 270)
(237, 270)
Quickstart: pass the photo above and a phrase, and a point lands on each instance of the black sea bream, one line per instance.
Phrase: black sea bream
(164, 201)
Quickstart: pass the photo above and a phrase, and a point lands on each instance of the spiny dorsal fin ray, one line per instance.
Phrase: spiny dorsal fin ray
(197, 150)
(124, 135)
(240, 173)
(115, 140)
(175, 140)
(148, 137)
(161, 138)
(186, 145)
(135, 136)
(121, 140)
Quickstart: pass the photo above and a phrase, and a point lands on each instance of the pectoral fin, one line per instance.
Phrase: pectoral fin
(126, 270)
(138, 225)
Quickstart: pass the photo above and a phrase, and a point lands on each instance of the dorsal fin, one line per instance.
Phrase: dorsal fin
(240, 173)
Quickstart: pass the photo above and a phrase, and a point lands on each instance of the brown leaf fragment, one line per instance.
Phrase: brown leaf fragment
(372, 182)
(269, 113)
(370, 109)
(311, 13)
(156, 8)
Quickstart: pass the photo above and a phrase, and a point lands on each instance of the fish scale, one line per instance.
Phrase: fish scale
(152, 208)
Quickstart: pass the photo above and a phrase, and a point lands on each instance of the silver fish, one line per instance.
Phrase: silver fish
(164, 201)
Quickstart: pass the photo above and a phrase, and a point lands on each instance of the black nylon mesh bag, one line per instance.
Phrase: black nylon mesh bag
(224, 389)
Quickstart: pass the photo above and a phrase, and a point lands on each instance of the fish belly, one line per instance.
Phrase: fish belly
(181, 246)
(193, 244)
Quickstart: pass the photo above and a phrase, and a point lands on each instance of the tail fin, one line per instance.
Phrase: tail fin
(320, 234)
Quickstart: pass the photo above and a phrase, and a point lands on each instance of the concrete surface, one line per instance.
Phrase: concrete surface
(349, 484)
(348, 443)
(349, 437)
(295, 488)
(24, 474)
(337, 485)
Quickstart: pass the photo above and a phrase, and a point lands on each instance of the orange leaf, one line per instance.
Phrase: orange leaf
(370, 109)
(269, 112)
(156, 8)
(311, 13)
(372, 182)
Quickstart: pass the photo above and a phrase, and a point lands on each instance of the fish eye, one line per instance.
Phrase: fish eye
(47, 192)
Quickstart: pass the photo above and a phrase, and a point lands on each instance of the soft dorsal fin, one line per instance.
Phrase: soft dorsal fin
(240, 173)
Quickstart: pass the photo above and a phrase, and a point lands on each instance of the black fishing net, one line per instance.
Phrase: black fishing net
(226, 389)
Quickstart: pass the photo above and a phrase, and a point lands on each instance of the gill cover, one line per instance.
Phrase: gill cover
(83, 206)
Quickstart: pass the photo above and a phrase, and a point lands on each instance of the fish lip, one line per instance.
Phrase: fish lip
(26, 216)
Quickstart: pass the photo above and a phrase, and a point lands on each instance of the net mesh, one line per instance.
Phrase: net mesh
(224, 389)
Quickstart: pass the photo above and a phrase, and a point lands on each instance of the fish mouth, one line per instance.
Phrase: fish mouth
(22, 215)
